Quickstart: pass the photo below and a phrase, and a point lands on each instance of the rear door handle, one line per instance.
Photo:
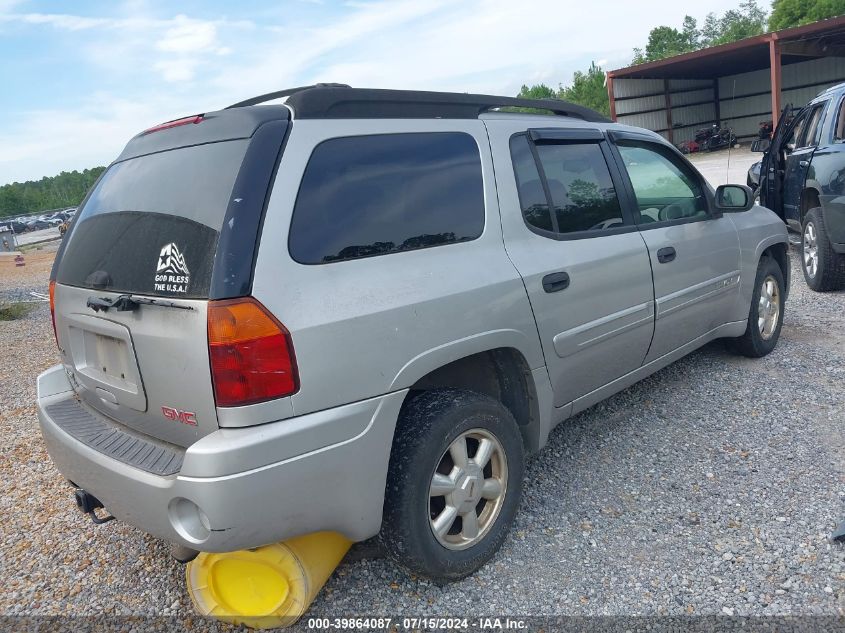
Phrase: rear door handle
(804, 163)
(665, 255)
(555, 282)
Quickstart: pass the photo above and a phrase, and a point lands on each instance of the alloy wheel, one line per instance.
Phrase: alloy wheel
(810, 250)
(768, 310)
(467, 489)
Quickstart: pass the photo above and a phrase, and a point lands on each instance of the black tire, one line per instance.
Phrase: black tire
(428, 425)
(753, 343)
(830, 266)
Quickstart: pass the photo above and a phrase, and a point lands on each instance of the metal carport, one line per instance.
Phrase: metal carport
(737, 84)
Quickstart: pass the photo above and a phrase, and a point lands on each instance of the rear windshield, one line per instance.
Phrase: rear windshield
(151, 224)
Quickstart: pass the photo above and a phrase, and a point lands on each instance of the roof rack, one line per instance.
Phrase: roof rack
(339, 101)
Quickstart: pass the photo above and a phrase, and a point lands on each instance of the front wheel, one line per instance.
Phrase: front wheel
(454, 483)
(765, 315)
(824, 269)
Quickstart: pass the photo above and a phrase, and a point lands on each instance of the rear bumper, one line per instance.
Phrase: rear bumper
(255, 485)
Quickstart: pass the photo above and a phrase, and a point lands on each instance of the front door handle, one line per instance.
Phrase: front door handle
(665, 255)
(555, 282)
(804, 163)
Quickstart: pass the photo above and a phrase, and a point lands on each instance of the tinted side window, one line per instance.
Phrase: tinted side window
(665, 187)
(373, 195)
(583, 197)
(532, 197)
(797, 128)
(813, 128)
(839, 132)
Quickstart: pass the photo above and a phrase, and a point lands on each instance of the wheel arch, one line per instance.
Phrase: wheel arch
(810, 199)
(778, 251)
(503, 373)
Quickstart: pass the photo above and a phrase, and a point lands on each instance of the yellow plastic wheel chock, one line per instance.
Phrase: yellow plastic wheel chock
(267, 587)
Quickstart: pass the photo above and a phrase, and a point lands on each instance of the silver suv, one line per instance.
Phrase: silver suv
(361, 310)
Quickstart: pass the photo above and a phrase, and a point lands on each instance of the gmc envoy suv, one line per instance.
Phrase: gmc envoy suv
(361, 310)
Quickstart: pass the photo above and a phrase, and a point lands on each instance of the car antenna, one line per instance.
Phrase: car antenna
(730, 143)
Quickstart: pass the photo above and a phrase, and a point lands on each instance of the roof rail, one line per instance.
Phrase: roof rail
(279, 94)
(338, 101)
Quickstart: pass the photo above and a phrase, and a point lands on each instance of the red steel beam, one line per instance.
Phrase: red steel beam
(775, 69)
(611, 96)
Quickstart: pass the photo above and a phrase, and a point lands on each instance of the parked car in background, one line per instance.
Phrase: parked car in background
(803, 182)
(37, 225)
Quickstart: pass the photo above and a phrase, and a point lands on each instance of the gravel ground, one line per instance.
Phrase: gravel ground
(709, 488)
(719, 169)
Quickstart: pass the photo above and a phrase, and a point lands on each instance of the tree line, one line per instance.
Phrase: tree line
(51, 192)
(587, 88)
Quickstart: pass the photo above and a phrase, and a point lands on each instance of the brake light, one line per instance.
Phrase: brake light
(188, 120)
(251, 354)
(53, 310)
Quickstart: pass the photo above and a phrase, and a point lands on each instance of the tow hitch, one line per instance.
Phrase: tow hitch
(88, 503)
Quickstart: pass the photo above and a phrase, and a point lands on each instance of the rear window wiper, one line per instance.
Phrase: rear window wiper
(130, 303)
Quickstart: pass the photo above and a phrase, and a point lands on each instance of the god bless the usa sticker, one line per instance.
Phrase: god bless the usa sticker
(172, 273)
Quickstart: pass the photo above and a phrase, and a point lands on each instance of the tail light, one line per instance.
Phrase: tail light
(53, 309)
(250, 352)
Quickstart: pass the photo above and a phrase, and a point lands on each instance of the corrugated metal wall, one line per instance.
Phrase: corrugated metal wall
(744, 99)
(642, 102)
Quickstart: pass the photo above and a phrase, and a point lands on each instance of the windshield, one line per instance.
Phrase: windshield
(152, 223)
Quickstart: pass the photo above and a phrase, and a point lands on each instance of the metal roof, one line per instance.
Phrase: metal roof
(819, 39)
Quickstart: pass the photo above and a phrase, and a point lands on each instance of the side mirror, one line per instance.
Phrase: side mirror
(761, 145)
(734, 198)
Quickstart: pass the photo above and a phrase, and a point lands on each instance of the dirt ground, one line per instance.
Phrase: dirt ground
(35, 273)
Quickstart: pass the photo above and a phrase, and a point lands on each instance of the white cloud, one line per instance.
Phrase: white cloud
(177, 70)
(188, 36)
(58, 20)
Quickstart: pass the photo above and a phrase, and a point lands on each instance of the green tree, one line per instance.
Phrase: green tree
(664, 41)
(55, 192)
(788, 13)
(690, 32)
(588, 89)
(537, 91)
(746, 21)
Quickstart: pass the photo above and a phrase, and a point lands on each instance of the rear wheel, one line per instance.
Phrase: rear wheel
(824, 269)
(454, 483)
(765, 316)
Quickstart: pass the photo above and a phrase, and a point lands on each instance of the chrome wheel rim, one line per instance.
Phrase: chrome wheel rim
(467, 489)
(768, 310)
(811, 250)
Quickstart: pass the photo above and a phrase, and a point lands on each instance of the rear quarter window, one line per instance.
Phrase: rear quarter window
(362, 196)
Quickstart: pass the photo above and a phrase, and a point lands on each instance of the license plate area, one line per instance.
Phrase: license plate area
(108, 359)
(104, 361)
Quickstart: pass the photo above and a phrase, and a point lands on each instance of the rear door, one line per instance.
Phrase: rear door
(583, 263)
(151, 244)
(694, 253)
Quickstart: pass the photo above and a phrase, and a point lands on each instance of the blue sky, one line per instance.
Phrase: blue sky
(80, 78)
